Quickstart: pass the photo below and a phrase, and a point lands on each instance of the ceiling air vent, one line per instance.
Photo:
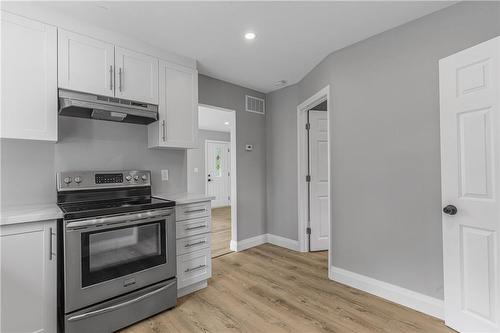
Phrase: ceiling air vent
(254, 104)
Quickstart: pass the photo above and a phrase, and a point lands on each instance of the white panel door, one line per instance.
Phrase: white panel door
(136, 76)
(217, 167)
(28, 277)
(470, 152)
(29, 79)
(318, 155)
(85, 64)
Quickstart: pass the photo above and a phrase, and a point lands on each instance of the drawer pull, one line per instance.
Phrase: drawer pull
(195, 211)
(193, 244)
(193, 269)
(197, 227)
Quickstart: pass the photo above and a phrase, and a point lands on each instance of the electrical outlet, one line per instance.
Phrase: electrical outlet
(164, 175)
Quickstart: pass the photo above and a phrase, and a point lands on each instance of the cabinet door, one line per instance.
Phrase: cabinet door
(28, 277)
(136, 76)
(178, 109)
(29, 79)
(85, 64)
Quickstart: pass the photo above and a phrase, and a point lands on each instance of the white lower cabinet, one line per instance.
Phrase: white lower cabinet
(193, 267)
(194, 255)
(28, 277)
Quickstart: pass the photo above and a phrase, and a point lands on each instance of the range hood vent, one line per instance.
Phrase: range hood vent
(81, 105)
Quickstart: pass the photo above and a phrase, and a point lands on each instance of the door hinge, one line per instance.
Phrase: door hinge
(308, 230)
(308, 178)
(308, 126)
(229, 198)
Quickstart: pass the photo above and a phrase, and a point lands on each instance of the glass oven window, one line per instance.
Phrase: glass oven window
(111, 253)
(121, 246)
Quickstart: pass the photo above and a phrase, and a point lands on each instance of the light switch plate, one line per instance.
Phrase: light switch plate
(164, 175)
(195, 170)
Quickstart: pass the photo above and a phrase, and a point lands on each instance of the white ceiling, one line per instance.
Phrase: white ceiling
(292, 37)
(213, 119)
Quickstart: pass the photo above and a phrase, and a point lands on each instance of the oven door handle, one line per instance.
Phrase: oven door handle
(117, 219)
(121, 305)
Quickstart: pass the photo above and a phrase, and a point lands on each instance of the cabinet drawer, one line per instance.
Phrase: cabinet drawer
(193, 243)
(193, 227)
(191, 211)
(193, 267)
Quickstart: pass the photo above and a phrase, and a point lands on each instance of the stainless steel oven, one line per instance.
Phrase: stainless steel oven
(119, 249)
(112, 255)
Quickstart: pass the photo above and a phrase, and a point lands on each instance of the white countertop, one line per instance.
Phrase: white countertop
(29, 213)
(185, 198)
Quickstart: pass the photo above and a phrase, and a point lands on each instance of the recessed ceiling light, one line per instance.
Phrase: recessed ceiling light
(250, 35)
(226, 123)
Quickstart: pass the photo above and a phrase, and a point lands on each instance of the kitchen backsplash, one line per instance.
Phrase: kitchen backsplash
(28, 167)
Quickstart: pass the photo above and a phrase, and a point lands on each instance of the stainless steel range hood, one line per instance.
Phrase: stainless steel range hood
(82, 105)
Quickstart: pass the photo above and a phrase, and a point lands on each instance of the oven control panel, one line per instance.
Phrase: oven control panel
(88, 180)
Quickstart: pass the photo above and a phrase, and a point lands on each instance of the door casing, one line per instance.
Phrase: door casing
(323, 94)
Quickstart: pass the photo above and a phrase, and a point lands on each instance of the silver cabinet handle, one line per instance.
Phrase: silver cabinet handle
(120, 79)
(111, 77)
(193, 244)
(163, 129)
(197, 227)
(195, 211)
(194, 268)
(117, 306)
(51, 244)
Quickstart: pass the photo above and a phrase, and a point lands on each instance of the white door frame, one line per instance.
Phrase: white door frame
(302, 166)
(234, 199)
(206, 162)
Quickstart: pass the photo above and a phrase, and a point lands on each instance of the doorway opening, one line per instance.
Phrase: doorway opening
(313, 180)
(212, 171)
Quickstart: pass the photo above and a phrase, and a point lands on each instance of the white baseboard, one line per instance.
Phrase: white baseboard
(420, 302)
(283, 242)
(248, 243)
(262, 239)
(191, 288)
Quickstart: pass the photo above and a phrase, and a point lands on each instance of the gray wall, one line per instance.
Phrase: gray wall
(196, 159)
(282, 163)
(251, 166)
(386, 204)
(29, 167)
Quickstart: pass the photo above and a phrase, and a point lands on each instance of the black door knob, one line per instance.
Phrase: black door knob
(450, 210)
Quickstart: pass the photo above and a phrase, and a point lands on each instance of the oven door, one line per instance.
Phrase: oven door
(109, 256)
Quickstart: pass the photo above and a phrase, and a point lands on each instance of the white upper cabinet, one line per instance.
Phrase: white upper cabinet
(178, 109)
(92, 66)
(29, 79)
(136, 76)
(85, 64)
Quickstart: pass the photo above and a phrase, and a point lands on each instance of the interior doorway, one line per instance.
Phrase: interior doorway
(212, 171)
(313, 177)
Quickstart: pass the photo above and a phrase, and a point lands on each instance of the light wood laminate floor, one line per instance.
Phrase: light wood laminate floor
(221, 231)
(272, 289)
